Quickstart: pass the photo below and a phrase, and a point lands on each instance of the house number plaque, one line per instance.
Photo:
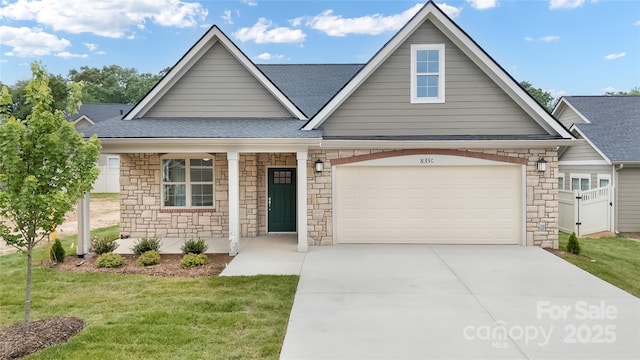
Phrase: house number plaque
(427, 161)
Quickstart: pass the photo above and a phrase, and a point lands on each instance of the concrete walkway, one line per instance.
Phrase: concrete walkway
(456, 302)
(267, 255)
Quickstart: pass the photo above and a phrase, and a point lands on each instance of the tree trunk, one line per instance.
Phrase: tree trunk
(27, 301)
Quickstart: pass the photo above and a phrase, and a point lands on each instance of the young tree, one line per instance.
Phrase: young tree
(45, 168)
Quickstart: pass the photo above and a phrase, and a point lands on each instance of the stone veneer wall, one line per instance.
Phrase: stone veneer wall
(541, 193)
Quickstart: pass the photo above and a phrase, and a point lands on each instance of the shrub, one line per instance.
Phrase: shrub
(56, 252)
(146, 244)
(147, 258)
(194, 246)
(103, 246)
(573, 246)
(193, 260)
(109, 260)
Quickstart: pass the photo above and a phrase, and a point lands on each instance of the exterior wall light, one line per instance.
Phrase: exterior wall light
(542, 165)
(319, 165)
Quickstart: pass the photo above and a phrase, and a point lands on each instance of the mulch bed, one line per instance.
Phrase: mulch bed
(169, 266)
(14, 343)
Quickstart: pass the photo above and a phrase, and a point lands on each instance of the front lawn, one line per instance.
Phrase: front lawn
(617, 260)
(142, 317)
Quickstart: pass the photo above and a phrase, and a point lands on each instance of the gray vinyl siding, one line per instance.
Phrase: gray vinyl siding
(569, 117)
(580, 152)
(218, 86)
(629, 200)
(592, 170)
(474, 104)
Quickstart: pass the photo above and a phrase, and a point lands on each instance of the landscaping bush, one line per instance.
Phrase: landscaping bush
(146, 244)
(109, 260)
(573, 246)
(193, 260)
(103, 246)
(147, 258)
(194, 246)
(56, 252)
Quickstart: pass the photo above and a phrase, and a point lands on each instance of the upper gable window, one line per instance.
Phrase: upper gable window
(427, 73)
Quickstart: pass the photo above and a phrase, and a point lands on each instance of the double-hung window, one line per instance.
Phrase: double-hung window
(604, 180)
(580, 182)
(187, 182)
(560, 181)
(427, 73)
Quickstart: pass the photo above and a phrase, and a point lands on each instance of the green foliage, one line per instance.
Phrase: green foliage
(56, 252)
(193, 260)
(146, 244)
(149, 258)
(573, 246)
(544, 98)
(633, 92)
(20, 105)
(194, 246)
(109, 260)
(103, 245)
(114, 84)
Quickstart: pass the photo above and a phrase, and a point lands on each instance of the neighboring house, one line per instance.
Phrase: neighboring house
(609, 153)
(431, 141)
(109, 164)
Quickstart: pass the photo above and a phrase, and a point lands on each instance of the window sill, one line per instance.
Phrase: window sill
(187, 210)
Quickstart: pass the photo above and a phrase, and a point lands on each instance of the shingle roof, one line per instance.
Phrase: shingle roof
(615, 124)
(274, 128)
(99, 112)
(310, 86)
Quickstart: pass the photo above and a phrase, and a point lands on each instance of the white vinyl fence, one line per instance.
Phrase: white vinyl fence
(108, 180)
(585, 212)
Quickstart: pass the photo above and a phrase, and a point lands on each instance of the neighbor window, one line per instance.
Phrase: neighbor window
(604, 180)
(187, 182)
(427, 73)
(113, 162)
(580, 181)
(560, 181)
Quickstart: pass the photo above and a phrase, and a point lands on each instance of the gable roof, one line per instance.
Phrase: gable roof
(212, 36)
(98, 112)
(431, 12)
(614, 124)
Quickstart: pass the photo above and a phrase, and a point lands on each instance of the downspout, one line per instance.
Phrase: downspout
(616, 196)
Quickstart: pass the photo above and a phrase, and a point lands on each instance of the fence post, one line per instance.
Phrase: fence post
(576, 211)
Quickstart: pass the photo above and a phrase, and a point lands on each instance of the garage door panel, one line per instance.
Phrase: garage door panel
(455, 205)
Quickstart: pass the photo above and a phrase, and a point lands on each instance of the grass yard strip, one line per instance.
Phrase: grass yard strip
(109, 196)
(142, 317)
(617, 260)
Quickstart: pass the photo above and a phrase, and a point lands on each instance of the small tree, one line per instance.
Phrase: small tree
(45, 168)
(573, 246)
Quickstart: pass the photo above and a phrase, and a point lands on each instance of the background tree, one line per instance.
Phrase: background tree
(114, 84)
(45, 168)
(19, 106)
(543, 98)
(633, 92)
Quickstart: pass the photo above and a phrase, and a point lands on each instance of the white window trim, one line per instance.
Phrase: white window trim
(604, 177)
(109, 163)
(564, 183)
(580, 176)
(188, 182)
(441, 71)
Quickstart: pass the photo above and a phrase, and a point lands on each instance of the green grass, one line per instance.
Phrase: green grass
(111, 196)
(141, 317)
(617, 260)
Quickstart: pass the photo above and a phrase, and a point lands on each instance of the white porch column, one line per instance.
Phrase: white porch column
(234, 202)
(83, 225)
(303, 244)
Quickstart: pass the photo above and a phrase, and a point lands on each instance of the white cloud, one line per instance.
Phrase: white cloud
(68, 55)
(30, 42)
(264, 32)
(565, 4)
(336, 25)
(101, 52)
(483, 4)
(615, 56)
(250, 2)
(90, 46)
(556, 93)
(226, 16)
(267, 56)
(111, 18)
(637, 23)
(451, 11)
(3, 61)
(609, 89)
(546, 39)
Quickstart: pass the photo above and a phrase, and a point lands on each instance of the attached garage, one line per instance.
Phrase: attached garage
(629, 200)
(434, 204)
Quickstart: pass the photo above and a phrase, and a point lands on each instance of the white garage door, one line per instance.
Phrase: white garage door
(434, 205)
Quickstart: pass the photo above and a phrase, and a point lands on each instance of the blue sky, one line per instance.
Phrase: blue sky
(567, 47)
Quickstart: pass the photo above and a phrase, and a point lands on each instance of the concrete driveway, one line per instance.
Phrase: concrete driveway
(456, 302)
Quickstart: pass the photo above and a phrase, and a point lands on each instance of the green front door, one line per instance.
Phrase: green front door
(281, 201)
